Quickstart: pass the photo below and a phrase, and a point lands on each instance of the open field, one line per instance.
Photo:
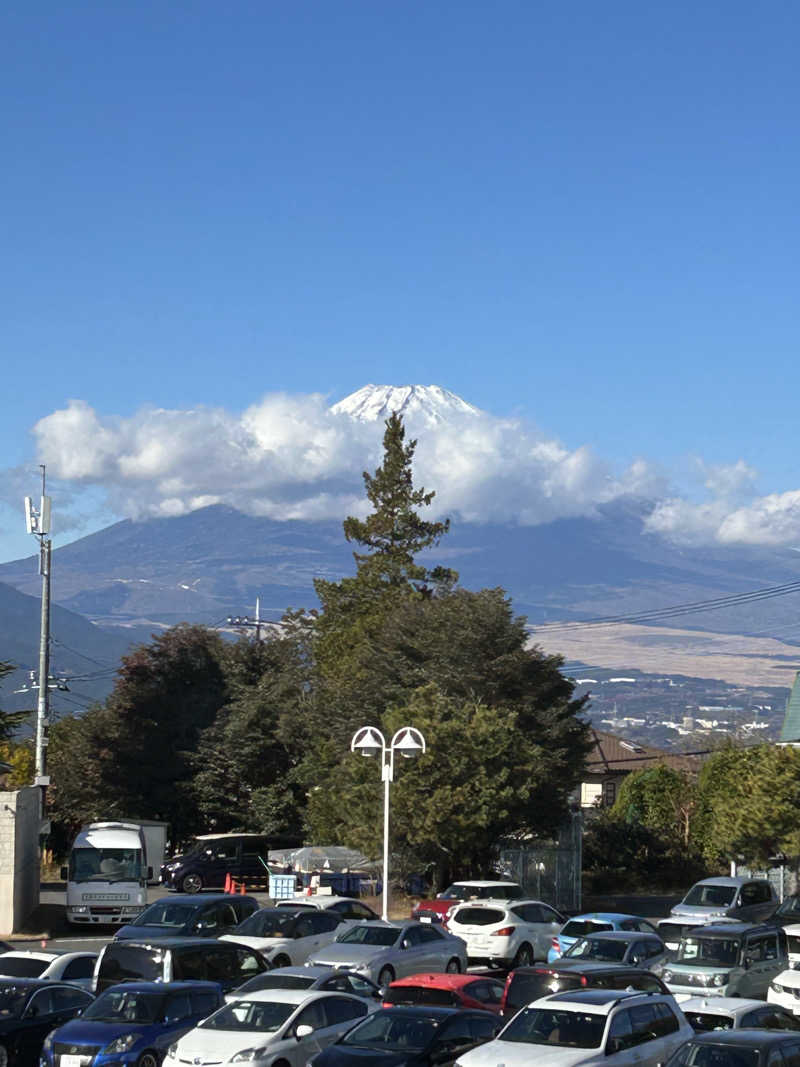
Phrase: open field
(733, 658)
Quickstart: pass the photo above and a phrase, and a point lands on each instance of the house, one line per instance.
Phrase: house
(613, 758)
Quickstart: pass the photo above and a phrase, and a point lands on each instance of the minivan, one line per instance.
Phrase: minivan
(727, 960)
(213, 857)
(750, 900)
(177, 959)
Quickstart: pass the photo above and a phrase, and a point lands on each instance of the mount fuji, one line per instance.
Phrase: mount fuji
(427, 404)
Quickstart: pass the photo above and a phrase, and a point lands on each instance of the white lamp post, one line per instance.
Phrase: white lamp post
(369, 741)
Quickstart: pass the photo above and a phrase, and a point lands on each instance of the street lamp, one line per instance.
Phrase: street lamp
(369, 741)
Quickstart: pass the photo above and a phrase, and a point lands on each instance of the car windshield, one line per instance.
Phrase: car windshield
(459, 892)
(582, 927)
(105, 865)
(126, 1006)
(598, 948)
(12, 1001)
(262, 1016)
(710, 896)
(709, 951)
(170, 913)
(548, 1026)
(703, 1021)
(393, 1033)
(23, 966)
(370, 935)
(708, 1055)
(269, 922)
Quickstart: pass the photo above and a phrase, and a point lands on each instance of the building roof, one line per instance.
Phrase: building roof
(616, 755)
(790, 731)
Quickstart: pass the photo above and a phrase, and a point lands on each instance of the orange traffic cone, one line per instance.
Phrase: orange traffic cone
(228, 882)
(242, 889)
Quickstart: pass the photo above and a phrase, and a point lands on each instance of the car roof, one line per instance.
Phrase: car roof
(792, 928)
(206, 898)
(290, 996)
(576, 965)
(604, 916)
(625, 935)
(595, 998)
(175, 942)
(168, 987)
(429, 1011)
(25, 954)
(715, 1005)
(314, 901)
(728, 928)
(7, 980)
(727, 880)
(748, 1038)
(440, 981)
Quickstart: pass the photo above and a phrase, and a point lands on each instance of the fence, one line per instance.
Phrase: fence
(550, 870)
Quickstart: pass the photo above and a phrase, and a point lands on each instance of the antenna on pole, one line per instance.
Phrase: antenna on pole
(37, 522)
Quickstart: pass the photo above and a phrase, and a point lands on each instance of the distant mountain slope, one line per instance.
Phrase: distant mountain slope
(422, 404)
(214, 562)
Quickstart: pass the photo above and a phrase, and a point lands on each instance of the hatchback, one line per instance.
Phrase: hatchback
(169, 960)
(198, 915)
(29, 1009)
(506, 935)
(286, 936)
(591, 1026)
(736, 1013)
(131, 1023)
(344, 907)
(729, 960)
(446, 991)
(77, 968)
(326, 979)
(594, 923)
(620, 946)
(738, 1048)
(531, 983)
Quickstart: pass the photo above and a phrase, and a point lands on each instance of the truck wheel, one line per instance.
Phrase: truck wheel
(191, 883)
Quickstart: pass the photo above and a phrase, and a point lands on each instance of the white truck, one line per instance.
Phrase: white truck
(108, 871)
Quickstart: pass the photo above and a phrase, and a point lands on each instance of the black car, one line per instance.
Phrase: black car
(787, 912)
(526, 984)
(29, 1009)
(177, 959)
(738, 1048)
(199, 915)
(215, 856)
(413, 1037)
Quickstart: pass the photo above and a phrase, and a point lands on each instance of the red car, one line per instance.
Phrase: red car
(436, 910)
(446, 991)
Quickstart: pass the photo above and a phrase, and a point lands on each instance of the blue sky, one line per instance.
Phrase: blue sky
(583, 216)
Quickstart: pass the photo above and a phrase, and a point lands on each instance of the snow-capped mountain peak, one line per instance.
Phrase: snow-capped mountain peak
(427, 403)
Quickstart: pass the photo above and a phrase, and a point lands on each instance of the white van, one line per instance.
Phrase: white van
(107, 874)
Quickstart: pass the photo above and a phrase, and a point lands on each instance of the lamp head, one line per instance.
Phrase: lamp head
(409, 743)
(368, 742)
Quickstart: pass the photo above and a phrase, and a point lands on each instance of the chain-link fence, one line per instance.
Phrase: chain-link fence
(550, 870)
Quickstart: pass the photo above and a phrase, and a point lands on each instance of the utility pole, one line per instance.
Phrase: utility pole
(243, 622)
(37, 522)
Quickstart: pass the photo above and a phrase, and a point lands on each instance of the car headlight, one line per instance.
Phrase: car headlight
(122, 1044)
(714, 979)
(79, 909)
(247, 1055)
(172, 1051)
(667, 976)
(775, 987)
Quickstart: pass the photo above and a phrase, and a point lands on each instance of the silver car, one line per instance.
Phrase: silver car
(385, 951)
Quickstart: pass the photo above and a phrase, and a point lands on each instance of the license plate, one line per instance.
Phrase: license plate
(71, 1061)
(425, 919)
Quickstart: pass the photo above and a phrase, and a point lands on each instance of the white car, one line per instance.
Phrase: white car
(385, 951)
(345, 907)
(513, 934)
(77, 968)
(735, 1013)
(784, 990)
(271, 1026)
(587, 1027)
(287, 936)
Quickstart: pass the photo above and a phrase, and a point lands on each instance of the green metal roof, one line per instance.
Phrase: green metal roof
(791, 721)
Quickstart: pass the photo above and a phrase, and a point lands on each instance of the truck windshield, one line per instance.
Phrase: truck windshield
(105, 865)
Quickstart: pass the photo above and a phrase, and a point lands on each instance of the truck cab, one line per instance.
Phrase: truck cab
(107, 874)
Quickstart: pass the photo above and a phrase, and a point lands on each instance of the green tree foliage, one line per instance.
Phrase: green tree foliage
(753, 796)
(668, 802)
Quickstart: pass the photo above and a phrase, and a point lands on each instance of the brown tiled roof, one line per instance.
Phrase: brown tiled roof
(615, 754)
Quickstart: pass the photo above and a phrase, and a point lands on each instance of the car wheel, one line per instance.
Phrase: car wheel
(148, 1059)
(281, 961)
(524, 956)
(453, 966)
(386, 977)
(191, 883)
(3, 1056)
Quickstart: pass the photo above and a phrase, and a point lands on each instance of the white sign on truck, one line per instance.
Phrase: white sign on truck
(107, 873)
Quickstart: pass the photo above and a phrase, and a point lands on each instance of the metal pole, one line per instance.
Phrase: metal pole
(44, 657)
(387, 777)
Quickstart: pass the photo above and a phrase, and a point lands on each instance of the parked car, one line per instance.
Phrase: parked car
(133, 1023)
(594, 922)
(621, 946)
(527, 984)
(325, 979)
(385, 951)
(29, 1009)
(784, 990)
(436, 910)
(215, 856)
(177, 959)
(446, 991)
(792, 932)
(345, 907)
(196, 915)
(729, 960)
(411, 1037)
(738, 1048)
(74, 967)
(506, 935)
(672, 930)
(273, 1026)
(788, 911)
(589, 1026)
(748, 899)
(286, 936)
(736, 1013)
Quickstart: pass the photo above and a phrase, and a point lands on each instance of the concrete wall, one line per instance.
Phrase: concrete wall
(19, 857)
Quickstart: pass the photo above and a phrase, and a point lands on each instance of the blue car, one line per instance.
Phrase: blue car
(132, 1023)
(595, 922)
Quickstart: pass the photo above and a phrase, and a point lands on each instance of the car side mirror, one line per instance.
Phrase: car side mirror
(303, 1030)
(405, 943)
(64, 874)
(439, 896)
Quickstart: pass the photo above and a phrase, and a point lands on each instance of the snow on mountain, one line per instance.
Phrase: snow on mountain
(423, 403)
